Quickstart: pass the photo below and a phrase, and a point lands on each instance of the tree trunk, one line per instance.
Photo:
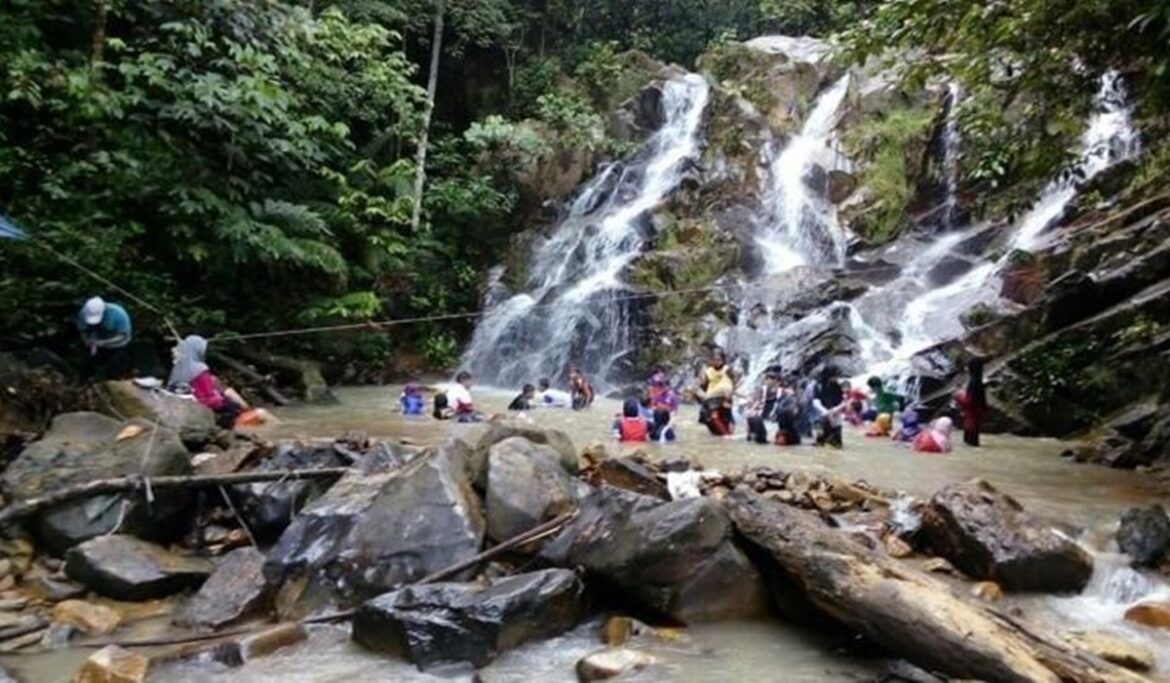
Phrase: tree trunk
(907, 612)
(98, 33)
(432, 84)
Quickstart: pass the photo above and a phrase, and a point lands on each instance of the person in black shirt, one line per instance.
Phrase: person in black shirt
(524, 400)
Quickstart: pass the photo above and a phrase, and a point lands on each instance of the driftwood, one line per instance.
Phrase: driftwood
(265, 383)
(906, 612)
(99, 487)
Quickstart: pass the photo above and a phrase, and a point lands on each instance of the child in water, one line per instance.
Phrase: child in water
(631, 427)
(910, 427)
(936, 439)
(525, 400)
(881, 426)
(411, 401)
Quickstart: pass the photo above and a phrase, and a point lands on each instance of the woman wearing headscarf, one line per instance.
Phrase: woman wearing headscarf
(935, 439)
(631, 426)
(973, 402)
(829, 404)
(191, 374)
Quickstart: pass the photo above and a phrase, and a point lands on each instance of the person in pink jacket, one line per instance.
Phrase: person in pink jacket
(191, 374)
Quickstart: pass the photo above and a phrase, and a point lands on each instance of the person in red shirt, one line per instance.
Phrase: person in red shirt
(631, 426)
(191, 374)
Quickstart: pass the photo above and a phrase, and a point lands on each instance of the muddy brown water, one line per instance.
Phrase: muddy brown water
(1080, 499)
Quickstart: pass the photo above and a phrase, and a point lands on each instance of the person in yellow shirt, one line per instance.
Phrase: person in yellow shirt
(717, 386)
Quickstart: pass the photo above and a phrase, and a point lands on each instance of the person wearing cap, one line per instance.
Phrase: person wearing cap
(106, 332)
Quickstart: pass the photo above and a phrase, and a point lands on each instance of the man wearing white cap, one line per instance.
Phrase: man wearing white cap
(106, 331)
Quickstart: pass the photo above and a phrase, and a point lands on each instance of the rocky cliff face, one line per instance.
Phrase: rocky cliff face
(825, 222)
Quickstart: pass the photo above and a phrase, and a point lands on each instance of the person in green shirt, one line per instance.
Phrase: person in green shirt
(106, 331)
(883, 401)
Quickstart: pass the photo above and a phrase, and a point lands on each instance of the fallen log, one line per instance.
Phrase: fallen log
(99, 487)
(267, 386)
(907, 612)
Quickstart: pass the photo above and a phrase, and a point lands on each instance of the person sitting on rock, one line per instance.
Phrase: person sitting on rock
(580, 389)
(106, 331)
(936, 439)
(411, 401)
(191, 374)
(524, 401)
(716, 390)
(881, 426)
(548, 397)
(910, 427)
(631, 427)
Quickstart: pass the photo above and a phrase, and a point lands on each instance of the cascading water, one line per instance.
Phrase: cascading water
(933, 314)
(575, 309)
(802, 227)
(951, 142)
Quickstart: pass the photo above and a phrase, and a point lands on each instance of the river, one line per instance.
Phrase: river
(1083, 500)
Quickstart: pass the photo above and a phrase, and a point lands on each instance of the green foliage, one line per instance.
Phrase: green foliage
(890, 148)
(441, 350)
(1055, 377)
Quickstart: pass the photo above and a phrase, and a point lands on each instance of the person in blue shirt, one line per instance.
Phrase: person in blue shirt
(412, 401)
(106, 332)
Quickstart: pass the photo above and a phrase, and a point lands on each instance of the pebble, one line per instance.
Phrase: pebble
(987, 590)
(1152, 614)
(91, 618)
(612, 662)
(897, 548)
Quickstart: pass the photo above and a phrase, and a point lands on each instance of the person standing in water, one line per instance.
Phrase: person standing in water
(716, 389)
(829, 404)
(973, 402)
(106, 331)
(580, 389)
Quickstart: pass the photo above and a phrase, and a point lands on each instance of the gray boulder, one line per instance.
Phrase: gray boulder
(373, 532)
(989, 536)
(82, 447)
(236, 590)
(527, 485)
(468, 622)
(192, 420)
(1144, 535)
(127, 568)
(501, 430)
(268, 507)
(676, 558)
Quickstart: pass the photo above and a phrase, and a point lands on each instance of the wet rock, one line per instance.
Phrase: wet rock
(987, 535)
(904, 672)
(1152, 614)
(675, 558)
(1115, 650)
(611, 663)
(371, 533)
(628, 474)
(223, 462)
(501, 430)
(86, 616)
(40, 583)
(618, 629)
(896, 547)
(467, 622)
(988, 591)
(841, 185)
(527, 485)
(1144, 535)
(236, 590)
(238, 650)
(126, 568)
(268, 507)
(191, 419)
(113, 664)
(82, 447)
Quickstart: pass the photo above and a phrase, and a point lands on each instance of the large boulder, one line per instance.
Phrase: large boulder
(127, 568)
(236, 590)
(268, 507)
(469, 622)
(676, 558)
(194, 422)
(501, 430)
(374, 532)
(527, 485)
(83, 447)
(1144, 535)
(989, 536)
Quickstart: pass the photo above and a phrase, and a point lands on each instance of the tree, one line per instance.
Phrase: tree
(424, 131)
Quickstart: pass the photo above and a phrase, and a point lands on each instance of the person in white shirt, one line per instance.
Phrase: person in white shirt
(548, 397)
(459, 399)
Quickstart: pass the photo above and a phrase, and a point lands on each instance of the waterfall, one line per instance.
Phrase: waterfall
(933, 313)
(803, 225)
(951, 141)
(575, 308)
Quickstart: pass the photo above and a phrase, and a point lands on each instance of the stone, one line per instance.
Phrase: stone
(1115, 650)
(371, 533)
(617, 629)
(611, 663)
(937, 565)
(194, 422)
(82, 447)
(236, 590)
(467, 622)
(113, 664)
(989, 536)
(988, 591)
(1144, 535)
(237, 651)
(127, 568)
(268, 507)
(86, 616)
(503, 429)
(223, 462)
(628, 474)
(896, 547)
(675, 558)
(526, 486)
(1152, 614)
(841, 185)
